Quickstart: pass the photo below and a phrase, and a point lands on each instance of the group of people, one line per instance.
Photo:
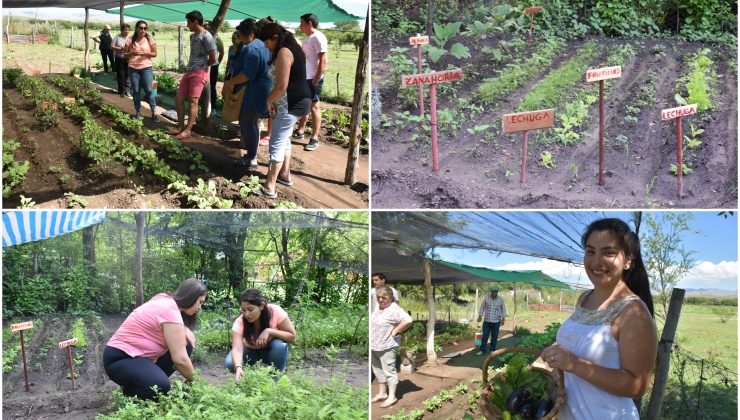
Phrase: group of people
(281, 77)
(606, 348)
(157, 338)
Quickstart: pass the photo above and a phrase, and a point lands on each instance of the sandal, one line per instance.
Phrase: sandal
(268, 194)
(288, 182)
(297, 134)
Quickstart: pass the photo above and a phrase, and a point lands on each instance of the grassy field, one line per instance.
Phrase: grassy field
(342, 62)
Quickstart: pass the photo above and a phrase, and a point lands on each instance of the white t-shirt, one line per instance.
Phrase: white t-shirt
(312, 46)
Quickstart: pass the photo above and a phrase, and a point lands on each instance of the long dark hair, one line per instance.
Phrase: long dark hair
(636, 277)
(255, 297)
(135, 36)
(283, 37)
(186, 295)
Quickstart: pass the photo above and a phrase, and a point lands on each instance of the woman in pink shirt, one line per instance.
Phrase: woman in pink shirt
(154, 340)
(139, 50)
(260, 333)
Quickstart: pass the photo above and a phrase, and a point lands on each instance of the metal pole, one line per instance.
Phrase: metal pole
(435, 158)
(25, 369)
(679, 156)
(71, 365)
(522, 177)
(421, 87)
(601, 132)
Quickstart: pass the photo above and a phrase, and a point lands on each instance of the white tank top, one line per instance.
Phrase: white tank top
(587, 334)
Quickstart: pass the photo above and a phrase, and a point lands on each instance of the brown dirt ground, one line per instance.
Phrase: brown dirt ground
(473, 171)
(51, 394)
(318, 176)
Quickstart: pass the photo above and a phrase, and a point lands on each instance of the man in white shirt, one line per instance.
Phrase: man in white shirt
(493, 313)
(315, 47)
(379, 280)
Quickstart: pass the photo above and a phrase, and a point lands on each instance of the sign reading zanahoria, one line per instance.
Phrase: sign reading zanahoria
(430, 78)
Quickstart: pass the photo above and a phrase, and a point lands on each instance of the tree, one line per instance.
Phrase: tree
(350, 25)
(139, 287)
(666, 259)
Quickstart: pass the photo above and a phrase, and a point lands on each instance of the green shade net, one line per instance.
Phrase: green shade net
(534, 277)
(282, 10)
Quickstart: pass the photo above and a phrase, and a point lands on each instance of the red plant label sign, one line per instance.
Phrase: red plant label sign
(535, 9)
(681, 111)
(532, 120)
(429, 78)
(21, 326)
(419, 40)
(67, 343)
(603, 73)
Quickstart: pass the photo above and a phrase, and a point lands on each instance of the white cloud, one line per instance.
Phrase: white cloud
(707, 274)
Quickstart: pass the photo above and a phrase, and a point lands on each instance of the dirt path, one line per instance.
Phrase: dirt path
(318, 180)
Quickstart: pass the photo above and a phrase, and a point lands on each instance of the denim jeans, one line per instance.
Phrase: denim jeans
(250, 132)
(275, 354)
(142, 78)
(490, 329)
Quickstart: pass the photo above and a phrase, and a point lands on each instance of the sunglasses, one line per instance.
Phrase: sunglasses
(143, 28)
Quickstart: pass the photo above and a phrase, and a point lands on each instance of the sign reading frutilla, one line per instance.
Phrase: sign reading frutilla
(532, 120)
(21, 326)
(535, 9)
(67, 343)
(603, 73)
(419, 40)
(431, 78)
(681, 111)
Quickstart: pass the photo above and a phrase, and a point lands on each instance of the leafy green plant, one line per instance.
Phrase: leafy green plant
(252, 185)
(546, 160)
(432, 403)
(166, 83)
(204, 195)
(75, 201)
(697, 82)
(692, 139)
(442, 34)
(26, 203)
(14, 172)
(686, 169)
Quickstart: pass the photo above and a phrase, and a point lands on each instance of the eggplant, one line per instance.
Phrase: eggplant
(516, 399)
(528, 409)
(544, 408)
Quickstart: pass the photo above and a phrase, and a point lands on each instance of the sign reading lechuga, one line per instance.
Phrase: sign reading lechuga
(532, 120)
(429, 78)
(681, 111)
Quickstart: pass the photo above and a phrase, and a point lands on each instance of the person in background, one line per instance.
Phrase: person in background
(139, 51)
(216, 65)
(315, 47)
(234, 49)
(379, 280)
(607, 348)
(202, 57)
(493, 313)
(261, 333)
(106, 52)
(288, 101)
(155, 340)
(386, 323)
(250, 72)
(121, 64)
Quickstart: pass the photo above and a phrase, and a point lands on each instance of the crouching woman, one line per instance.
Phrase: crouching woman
(261, 333)
(155, 340)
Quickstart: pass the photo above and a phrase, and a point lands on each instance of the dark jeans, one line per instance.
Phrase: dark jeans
(214, 79)
(137, 375)
(275, 354)
(490, 329)
(250, 132)
(107, 55)
(124, 83)
(142, 78)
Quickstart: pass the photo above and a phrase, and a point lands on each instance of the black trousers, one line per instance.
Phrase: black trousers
(107, 55)
(137, 375)
(214, 79)
(124, 83)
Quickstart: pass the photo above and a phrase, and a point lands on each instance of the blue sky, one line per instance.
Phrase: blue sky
(355, 7)
(716, 255)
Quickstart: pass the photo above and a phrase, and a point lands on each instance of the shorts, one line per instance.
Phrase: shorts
(192, 83)
(282, 126)
(315, 91)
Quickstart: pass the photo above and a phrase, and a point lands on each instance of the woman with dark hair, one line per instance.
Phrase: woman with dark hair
(288, 101)
(154, 340)
(607, 348)
(250, 72)
(261, 333)
(139, 51)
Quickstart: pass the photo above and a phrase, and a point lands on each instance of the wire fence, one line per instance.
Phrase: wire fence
(698, 389)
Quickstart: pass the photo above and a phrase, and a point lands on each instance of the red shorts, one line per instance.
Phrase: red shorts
(192, 83)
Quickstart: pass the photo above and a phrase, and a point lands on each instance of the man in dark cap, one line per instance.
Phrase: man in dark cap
(493, 313)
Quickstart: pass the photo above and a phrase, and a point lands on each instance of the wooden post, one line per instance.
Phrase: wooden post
(164, 52)
(475, 313)
(120, 14)
(7, 29)
(86, 62)
(33, 34)
(430, 15)
(514, 300)
(431, 354)
(25, 369)
(355, 132)
(337, 85)
(71, 32)
(139, 288)
(665, 347)
(180, 47)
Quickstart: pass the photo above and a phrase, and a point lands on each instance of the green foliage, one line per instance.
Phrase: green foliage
(11, 74)
(252, 186)
(79, 331)
(573, 116)
(14, 172)
(517, 374)
(258, 395)
(391, 21)
(166, 83)
(711, 301)
(685, 169)
(442, 34)
(521, 331)
(340, 325)
(26, 202)
(546, 160)
(697, 82)
(204, 195)
(535, 341)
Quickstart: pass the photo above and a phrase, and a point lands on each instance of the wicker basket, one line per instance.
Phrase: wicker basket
(555, 386)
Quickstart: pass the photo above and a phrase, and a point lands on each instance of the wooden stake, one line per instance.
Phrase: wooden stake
(25, 368)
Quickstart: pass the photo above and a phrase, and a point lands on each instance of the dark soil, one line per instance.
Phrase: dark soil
(51, 394)
(57, 166)
(479, 173)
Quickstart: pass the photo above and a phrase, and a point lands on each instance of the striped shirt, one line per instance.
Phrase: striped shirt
(493, 310)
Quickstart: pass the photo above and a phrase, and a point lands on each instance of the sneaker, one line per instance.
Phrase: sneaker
(253, 164)
(480, 353)
(313, 144)
(128, 95)
(297, 134)
(155, 117)
(243, 162)
(136, 116)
